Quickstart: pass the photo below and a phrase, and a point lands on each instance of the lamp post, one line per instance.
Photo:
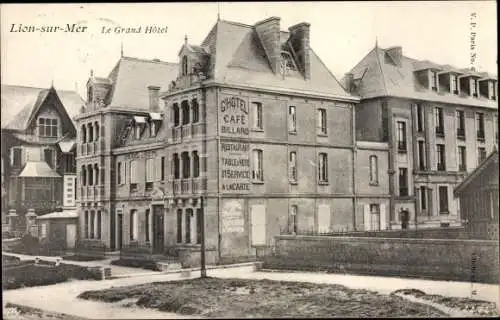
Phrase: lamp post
(202, 235)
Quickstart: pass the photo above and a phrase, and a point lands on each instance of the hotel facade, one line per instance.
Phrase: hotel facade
(250, 129)
(440, 123)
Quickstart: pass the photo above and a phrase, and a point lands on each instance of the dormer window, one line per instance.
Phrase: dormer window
(434, 80)
(139, 124)
(184, 65)
(454, 84)
(287, 63)
(47, 127)
(492, 90)
(154, 123)
(473, 84)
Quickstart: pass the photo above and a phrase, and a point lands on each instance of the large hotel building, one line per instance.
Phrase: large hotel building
(252, 130)
(252, 122)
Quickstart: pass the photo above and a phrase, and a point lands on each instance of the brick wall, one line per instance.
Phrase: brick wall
(424, 258)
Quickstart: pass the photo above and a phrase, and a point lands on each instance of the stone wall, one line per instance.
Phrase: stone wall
(441, 259)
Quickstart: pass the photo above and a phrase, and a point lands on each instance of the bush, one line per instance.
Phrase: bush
(136, 263)
(8, 235)
(51, 246)
(31, 275)
(27, 245)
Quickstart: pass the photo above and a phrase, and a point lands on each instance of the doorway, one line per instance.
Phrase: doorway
(119, 232)
(70, 236)
(158, 229)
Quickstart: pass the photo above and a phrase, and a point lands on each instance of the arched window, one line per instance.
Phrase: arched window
(175, 167)
(176, 115)
(373, 170)
(84, 176)
(185, 112)
(186, 165)
(96, 126)
(90, 173)
(196, 164)
(90, 132)
(195, 110)
(84, 133)
(179, 225)
(184, 65)
(96, 172)
(98, 225)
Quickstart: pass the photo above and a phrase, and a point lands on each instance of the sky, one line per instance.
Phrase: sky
(342, 33)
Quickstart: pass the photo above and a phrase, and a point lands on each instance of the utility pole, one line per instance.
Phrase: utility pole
(202, 253)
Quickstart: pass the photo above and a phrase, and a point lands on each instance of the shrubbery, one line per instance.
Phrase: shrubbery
(31, 275)
(136, 263)
(32, 246)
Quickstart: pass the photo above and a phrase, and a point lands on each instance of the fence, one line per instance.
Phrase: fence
(441, 259)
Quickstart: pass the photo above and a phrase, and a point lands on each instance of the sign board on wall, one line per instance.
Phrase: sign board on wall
(233, 220)
(235, 167)
(233, 117)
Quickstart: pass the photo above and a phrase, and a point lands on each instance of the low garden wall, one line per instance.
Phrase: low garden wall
(424, 233)
(461, 260)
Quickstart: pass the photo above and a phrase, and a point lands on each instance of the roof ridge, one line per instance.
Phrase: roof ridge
(155, 60)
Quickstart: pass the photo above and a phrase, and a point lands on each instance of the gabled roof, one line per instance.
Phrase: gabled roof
(492, 159)
(19, 103)
(240, 59)
(381, 78)
(131, 78)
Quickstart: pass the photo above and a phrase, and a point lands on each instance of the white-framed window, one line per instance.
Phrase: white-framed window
(47, 127)
(321, 118)
(150, 171)
(323, 168)
(152, 129)
(133, 175)
(16, 158)
(434, 80)
(443, 200)
(373, 170)
(462, 159)
(137, 131)
(401, 137)
(133, 223)
(293, 225)
(257, 115)
(293, 166)
(43, 230)
(454, 83)
(292, 119)
(257, 165)
(375, 216)
(423, 198)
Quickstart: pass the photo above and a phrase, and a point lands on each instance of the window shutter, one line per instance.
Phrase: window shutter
(158, 168)
(367, 217)
(324, 218)
(383, 217)
(258, 222)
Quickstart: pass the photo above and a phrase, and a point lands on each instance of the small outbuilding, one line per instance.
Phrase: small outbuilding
(478, 194)
(60, 227)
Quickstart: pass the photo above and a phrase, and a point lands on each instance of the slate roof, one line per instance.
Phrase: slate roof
(374, 77)
(65, 214)
(240, 59)
(492, 159)
(131, 78)
(19, 103)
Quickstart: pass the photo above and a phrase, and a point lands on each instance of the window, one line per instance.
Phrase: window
(186, 165)
(421, 155)
(152, 128)
(199, 225)
(423, 198)
(403, 182)
(491, 90)
(454, 84)
(184, 65)
(434, 78)
(150, 169)
(162, 168)
(133, 225)
(323, 168)
(196, 164)
(443, 200)
(462, 159)
(86, 225)
(420, 118)
(257, 115)
(473, 84)
(176, 115)
(185, 112)
(287, 63)
(84, 175)
(90, 173)
(75, 190)
(179, 225)
(96, 173)
(292, 119)
(84, 133)
(480, 125)
(460, 124)
(257, 170)
(375, 217)
(373, 170)
(481, 154)
(96, 127)
(293, 219)
(189, 214)
(196, 111)
(441, 163)
(17, 157)
(401, 136)
(90, 94)
(138, 131)
(176, 167)
(92, 224)
(47, 127)
(133, 176)
(293, 166)
(98, 225)
(90, 132)
(119, 173)
(146, 224)
(321, 121)
(439, 121)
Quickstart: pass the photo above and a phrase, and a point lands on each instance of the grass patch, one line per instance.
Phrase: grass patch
(242, 298)
(136, 263)
(477, 307)
(77, 257)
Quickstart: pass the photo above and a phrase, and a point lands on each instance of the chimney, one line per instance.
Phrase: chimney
(269, 34)
(299, 39)
(349, 82)
(396, 54)
(154, 97)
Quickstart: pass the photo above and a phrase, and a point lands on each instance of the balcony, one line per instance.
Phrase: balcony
(461, 133)
(90, 192)
(186, 131)
(176, 134)
(440, 131)
(185, 186)
(176, 186)
(189, 186)
(83, 193)
(199, 185)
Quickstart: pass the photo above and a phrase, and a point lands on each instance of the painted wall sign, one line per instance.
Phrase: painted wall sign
(234, 117)
(233, 220)
(235, 167)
